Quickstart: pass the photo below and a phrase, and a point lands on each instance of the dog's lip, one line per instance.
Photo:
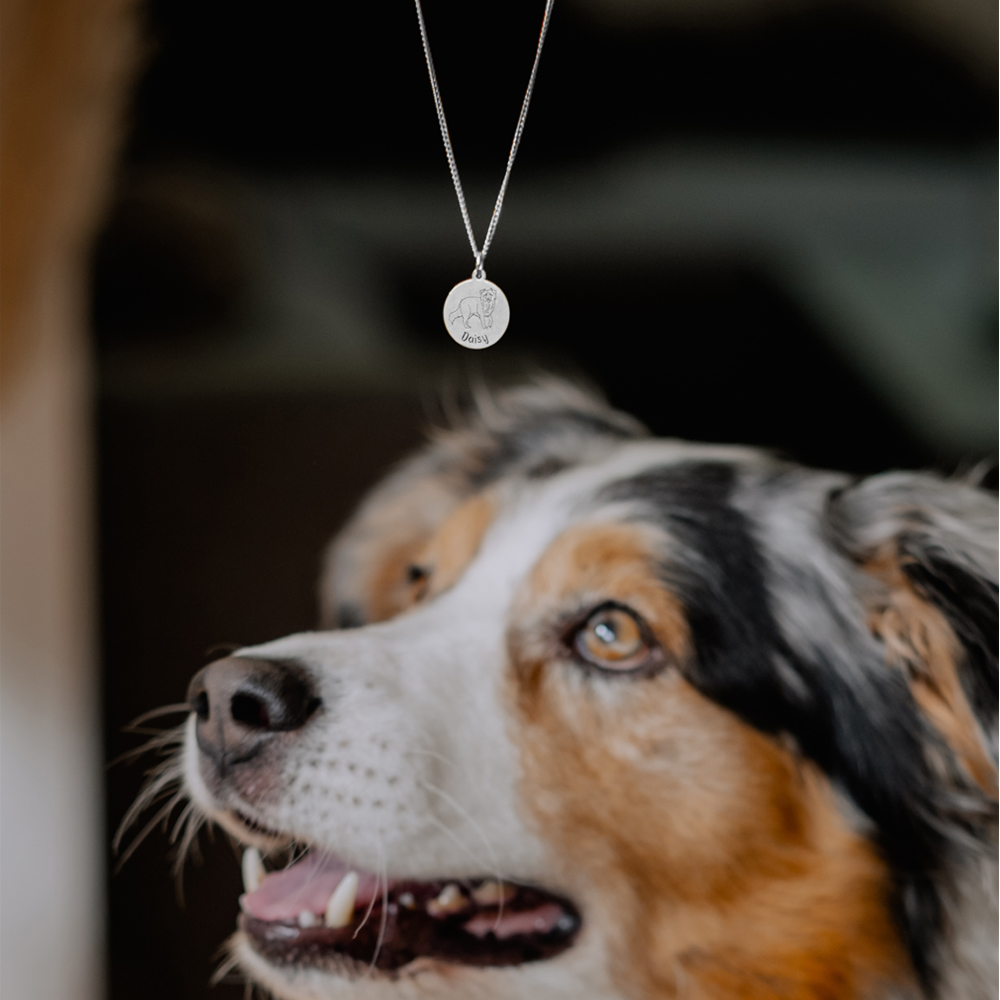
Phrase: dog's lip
(258, 829)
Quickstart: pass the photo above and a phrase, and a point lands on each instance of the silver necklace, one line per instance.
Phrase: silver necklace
(476, 311)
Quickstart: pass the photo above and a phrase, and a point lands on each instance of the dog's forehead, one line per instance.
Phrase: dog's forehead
(532, 513)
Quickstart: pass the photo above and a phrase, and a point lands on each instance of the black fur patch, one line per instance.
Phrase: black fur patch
(868, 738)
(970, 605)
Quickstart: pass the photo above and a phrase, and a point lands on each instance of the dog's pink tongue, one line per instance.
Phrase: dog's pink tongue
(307, 885)
(540, 920)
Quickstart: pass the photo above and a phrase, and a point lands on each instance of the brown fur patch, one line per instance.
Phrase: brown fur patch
(442, 555)
(384, 539)
(391, 590)
(453, 546)
(920, 642)
(716, 860)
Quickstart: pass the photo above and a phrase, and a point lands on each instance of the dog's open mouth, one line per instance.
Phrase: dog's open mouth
(317, 911)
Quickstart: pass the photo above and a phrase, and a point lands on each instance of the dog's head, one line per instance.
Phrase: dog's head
(488, 298)
(598, 715)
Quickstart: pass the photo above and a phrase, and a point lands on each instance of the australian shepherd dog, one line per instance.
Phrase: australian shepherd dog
(596, 715)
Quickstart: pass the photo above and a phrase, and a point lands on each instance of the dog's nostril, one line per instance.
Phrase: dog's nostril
(240, 701)
(200, 706)
(251, 711)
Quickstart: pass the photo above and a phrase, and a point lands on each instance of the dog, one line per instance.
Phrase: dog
(480, 306)
(597, 715)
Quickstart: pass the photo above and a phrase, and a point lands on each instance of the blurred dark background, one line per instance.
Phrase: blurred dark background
(769, 223)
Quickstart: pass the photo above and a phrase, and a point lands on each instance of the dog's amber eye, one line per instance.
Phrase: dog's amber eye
(612, 638)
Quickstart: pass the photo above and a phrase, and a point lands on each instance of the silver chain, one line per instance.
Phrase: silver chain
(480, 255)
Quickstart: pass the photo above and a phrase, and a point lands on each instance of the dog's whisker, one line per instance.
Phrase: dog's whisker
(146, 731)
(229, 963)
(162, 815)
(321, 855)
(162, 780)
(196, 825)
(189, 846)
(157, 777)
(187, 826)
(189, 841)
(156, 713)
(146, 799)
(456, 840)
(385, 900)
(161, 743)
(181, 821)
(382, 875)
(476, 826)
(168, 766)
(368, 912)
(161, 739)
(438, 756)
(497, 872)
(297, 851)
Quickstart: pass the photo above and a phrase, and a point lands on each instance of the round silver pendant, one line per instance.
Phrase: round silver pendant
(476, 313)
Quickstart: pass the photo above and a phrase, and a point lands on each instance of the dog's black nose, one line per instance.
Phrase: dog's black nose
(241, 701)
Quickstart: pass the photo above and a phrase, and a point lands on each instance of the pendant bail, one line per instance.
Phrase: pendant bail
(478, 271)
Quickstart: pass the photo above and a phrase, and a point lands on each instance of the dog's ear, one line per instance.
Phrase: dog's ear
(532, 430)
(927, 549)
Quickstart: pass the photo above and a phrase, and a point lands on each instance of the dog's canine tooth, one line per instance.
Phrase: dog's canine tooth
(340, 909)
(253, 870)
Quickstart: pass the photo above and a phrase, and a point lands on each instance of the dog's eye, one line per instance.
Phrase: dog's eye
(614, 639)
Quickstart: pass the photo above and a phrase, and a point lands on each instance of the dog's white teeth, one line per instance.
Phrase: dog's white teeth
(340, 909)
(308, 919)
(253, 870)
(407, 899)
(449, 900)
(492, 892)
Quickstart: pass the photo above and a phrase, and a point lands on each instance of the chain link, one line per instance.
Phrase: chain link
(480, 255)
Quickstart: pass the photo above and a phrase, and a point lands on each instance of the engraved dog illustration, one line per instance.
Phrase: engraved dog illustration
(481, 306)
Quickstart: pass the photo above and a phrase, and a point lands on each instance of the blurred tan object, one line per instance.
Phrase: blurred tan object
(65, 66)
(965, 28)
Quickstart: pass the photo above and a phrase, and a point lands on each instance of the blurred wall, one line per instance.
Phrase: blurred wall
(65, 69)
